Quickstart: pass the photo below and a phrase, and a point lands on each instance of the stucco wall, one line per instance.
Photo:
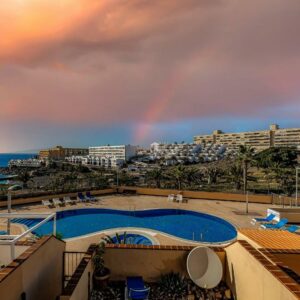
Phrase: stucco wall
(5, 253)
(249, 279)
(149, 263)
(267, 199)
(39, 276)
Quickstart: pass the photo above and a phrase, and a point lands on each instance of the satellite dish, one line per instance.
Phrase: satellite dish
(204, 267)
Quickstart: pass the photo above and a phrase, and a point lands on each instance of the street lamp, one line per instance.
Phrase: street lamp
(9, 193)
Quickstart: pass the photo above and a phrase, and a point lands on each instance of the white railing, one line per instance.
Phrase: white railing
(11, 240)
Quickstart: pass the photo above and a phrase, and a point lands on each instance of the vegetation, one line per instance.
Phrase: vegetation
(272, 170)
(245, 158)
(117, 239)
(172, 286)
(156, 175)
(98, 261)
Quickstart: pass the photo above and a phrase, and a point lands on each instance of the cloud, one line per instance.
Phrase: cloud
(98, 63)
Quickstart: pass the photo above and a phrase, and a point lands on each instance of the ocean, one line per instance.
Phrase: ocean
(6, 157)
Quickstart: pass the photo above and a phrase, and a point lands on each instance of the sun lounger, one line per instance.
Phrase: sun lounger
(179, 198)
(90, 196)
(81, 197)
(268, 219)
(135, 289)
(57, 202)
(278, 225)
(67, 200)
(293, 228)
(171, 197)
(47, 203)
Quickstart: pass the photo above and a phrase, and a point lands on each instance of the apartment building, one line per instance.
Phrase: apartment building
(25, 163)
(99, 161)
(59, 153)
(172, 154)
(122, 152)
(259, 140)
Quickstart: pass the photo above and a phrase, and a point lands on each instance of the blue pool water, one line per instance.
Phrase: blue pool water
(184, 224)
(133, 239)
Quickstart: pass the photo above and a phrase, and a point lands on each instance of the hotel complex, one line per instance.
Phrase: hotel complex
(259, 140)
(60, 153)
(123, 152)
(105, 156)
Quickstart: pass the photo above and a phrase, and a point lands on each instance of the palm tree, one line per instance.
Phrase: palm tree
(246, 157)
(212, 173)
(156, 175)
(285, 177)
(178, 174)
(24, 177)
(192, 176)
(235, 173)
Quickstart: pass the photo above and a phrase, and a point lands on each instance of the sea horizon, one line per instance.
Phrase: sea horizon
(6, 157)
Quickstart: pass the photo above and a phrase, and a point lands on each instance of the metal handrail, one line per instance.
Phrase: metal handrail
(12, 239)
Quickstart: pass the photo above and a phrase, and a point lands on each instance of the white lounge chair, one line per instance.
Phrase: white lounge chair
(67, 200)
(179, 198)
(56, 201)
(171, 197)
(47, 203)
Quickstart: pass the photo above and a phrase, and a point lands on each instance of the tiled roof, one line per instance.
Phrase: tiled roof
(273, 239)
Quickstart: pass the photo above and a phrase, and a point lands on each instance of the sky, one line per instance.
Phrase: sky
(90, 72)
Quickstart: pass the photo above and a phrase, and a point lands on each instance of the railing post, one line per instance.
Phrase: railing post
(63, 272)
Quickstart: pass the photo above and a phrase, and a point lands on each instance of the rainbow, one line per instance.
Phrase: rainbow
(157, 107)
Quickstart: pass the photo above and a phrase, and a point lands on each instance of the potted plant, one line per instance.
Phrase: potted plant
(101, 273)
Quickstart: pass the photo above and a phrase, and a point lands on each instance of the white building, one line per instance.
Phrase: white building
(105, 162)
(124, 152)
(25, 163)
(172, 154)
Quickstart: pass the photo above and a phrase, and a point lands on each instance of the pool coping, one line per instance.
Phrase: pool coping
(147, 232)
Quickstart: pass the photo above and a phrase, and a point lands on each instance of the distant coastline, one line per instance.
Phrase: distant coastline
(6, 157)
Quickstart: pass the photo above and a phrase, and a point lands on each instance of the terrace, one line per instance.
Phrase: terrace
(272, 255)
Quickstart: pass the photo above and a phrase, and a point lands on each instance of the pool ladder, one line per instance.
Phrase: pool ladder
(132, 209)
(201, 237)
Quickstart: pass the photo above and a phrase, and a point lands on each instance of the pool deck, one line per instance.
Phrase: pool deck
(233, 212)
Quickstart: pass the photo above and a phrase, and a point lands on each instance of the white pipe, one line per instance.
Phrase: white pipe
(26, 215)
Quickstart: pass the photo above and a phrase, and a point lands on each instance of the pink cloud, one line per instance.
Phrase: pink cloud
(101, 62)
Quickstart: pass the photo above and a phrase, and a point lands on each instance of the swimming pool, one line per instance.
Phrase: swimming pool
(132, 239)
(185, 224)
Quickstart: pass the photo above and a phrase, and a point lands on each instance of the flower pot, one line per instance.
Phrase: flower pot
(101, 281)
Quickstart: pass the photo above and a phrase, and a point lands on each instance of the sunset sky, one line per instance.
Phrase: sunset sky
(92, 72)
